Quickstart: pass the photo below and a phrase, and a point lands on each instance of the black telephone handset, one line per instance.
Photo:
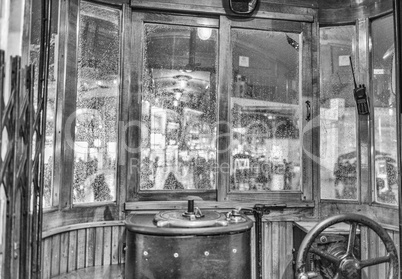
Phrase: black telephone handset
(361, 98)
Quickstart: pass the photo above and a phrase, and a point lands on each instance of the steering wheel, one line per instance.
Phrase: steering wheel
(348, 264)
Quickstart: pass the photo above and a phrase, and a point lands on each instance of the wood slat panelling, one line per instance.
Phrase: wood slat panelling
(72, 263)
(107, 245)
(277, 250)
(98, 246)
(46, 257)
(372, 247)
(64, 246)
(121, 246)
(115, 244)
(81, 248)
(73, 249)
(55, 269)
(90, 247)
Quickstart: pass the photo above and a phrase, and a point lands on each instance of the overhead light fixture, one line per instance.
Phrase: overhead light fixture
(204, 33)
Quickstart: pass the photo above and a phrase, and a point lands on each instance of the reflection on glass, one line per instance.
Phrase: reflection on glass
(265, 115)
(97, 104)
(178, 149)
(385, 167)
(51, 90)
(337, 114)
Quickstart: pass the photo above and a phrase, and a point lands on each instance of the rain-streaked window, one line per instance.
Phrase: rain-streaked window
(264, 111)
(338, 156)
(384, 116)
(95, 146)
(179, 113)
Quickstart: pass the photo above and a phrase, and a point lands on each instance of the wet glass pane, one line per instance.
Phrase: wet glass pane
(384, 119)
(338, 160)
(265, 112)
(178, 149)
(95, 147)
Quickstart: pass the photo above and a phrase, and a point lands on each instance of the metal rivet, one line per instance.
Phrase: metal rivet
(175, 255)
(206, 253)
(145, 253)
(234, 250)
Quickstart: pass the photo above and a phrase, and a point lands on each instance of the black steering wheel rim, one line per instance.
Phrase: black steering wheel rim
(354, 219)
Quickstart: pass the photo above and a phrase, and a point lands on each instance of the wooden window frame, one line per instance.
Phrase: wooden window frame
(134, 195)
(63, 175)
(128, 196)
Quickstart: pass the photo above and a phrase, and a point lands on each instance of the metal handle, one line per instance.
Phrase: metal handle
(308, 107)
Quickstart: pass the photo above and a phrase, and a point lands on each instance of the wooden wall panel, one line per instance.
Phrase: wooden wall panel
(90, 247)
(99, 246)
(80, 247)
(64, 246)
(277, 250)
(115, 245)
(72, 263)
(122, 245)
(107, 244)
(372, 247)
(46, 256)
(55, 260)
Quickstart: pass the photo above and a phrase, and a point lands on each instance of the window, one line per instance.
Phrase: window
(384, 116)
(97, 103)
(264, 111)
(179, 113)
(218, 131)
(338, 156)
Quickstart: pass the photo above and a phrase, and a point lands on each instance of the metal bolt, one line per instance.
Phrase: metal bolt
(323, 239)
(175, 255)
(206, 253)
(234, 250)
(145, 253)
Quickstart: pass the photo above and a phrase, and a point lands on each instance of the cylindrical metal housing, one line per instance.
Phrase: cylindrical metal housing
(167, 252)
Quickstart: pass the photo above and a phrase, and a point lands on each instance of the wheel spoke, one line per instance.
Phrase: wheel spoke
(374, 261)
(351, 241)
(326, 256)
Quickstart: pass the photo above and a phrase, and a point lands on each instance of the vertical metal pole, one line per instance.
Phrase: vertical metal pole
(258, 213)
(398, 72)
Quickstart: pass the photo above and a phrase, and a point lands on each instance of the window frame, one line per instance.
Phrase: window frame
(355, 53)
(66, 95)
(373, 197)
(224, 84)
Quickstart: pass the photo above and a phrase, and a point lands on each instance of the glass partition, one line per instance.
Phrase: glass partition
(179, 114)
(48, 190)
(265, 111)
(338, 156)
(96, 117)
(384, 117)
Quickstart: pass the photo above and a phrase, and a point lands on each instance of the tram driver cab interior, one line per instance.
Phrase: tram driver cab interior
(185, 139)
